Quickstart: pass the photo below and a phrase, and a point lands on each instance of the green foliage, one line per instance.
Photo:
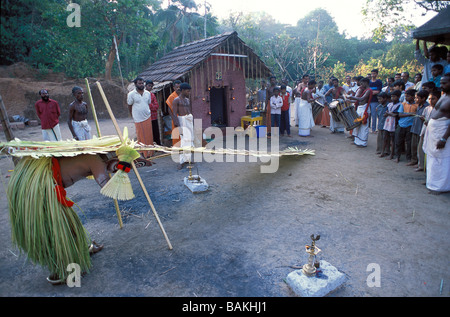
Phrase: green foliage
(39, 35)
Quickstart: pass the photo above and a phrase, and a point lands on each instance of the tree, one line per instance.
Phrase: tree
(392, 14)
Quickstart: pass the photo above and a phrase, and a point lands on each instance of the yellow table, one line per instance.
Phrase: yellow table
(251, 120)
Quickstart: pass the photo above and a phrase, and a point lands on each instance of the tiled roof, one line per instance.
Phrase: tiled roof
(184, 58)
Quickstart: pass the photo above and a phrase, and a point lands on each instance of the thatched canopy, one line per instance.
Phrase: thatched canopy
(436, 30)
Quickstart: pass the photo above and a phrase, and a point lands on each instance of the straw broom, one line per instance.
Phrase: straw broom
(94, 113)
(133, 165)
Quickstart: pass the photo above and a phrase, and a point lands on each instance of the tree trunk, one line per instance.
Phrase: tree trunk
(110, 61)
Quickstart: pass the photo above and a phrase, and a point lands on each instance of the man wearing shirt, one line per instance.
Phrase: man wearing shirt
(48, 112)
(138, 104)
(376, 85)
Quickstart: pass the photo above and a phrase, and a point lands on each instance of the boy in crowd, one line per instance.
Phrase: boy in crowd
(429, 86)
(400, 86)
(416, 128)
(406, 114)
(285, 124)
(436, 73)
(381, 109)
(276, 103)
(390, 125)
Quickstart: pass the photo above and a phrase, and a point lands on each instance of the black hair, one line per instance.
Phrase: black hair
(429, 84)
(304, 76)
(312, 82)
(374, 71)
(42, 90)
(423, 94)
(75, 89)
(148, 82)
(383, 94)
(400, 83)
(364, 79)
(185, 86)
(276, 88)
(175, 82)
(138, 79)
(438, 67)
(396, 93)
(436, 92)
(283, 87)
(411, 92)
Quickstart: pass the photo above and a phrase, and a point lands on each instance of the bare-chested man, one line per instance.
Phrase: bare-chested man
(184, 121)
(435, 142)
(306, 120)
(78, 110)
(361, 133)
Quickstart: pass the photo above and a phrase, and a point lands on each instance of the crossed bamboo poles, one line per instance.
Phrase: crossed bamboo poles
(119, 133)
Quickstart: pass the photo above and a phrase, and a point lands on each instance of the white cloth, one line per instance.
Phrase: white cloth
(275, 104)
(140, 105)
(53, 134)
(306, 121)
(336, 126)
(187, 137)
(82, 129)
(438, 160)
(426, 113)
(297, 109)
(361, 133)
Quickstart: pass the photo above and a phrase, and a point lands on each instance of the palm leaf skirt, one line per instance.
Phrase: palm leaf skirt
(51, 234)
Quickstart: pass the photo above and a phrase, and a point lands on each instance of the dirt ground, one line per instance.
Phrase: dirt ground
(241, 238)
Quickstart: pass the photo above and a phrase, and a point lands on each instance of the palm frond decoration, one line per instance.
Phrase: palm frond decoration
(106, 144)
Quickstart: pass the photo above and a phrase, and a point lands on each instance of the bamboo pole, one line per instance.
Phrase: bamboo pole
(94, 113)
(119, 133)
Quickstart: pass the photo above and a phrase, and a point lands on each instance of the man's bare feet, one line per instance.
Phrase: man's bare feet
(95, 247)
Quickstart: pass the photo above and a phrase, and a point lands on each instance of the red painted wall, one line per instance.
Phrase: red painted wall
(233, 81)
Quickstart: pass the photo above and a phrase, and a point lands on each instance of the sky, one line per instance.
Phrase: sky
(346, 13)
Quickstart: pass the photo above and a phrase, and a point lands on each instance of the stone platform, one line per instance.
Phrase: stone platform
(325, 281)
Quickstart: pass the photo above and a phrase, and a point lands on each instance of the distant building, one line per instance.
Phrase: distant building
(216, 68)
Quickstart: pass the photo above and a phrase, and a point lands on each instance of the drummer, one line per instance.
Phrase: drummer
(361, 133)
(336, 92)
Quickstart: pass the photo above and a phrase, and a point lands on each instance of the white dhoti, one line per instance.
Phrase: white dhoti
(297, 110)
(336, 126)
(361, 133)
(438, 160)
(187, 137)
(82, 130)
(53, 134)
(306, 120)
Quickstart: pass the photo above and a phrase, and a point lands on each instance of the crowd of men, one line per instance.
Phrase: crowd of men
(409, 118)
(405, 115)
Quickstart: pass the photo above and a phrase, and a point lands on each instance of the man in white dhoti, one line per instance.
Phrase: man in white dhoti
(435, 143)
(78, 110)
(336, 92)
(306, 120)
(361, 133)
(183, 119)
